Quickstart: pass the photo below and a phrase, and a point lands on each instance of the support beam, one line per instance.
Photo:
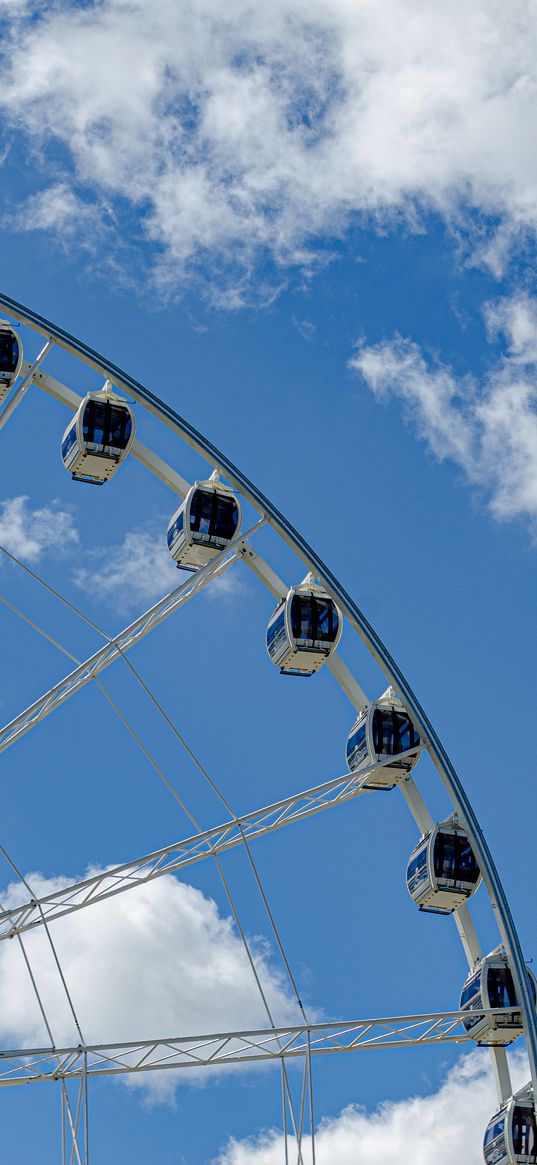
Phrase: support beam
(416, 804)
(344, 677)
(467, 934)
(265, 573)
(159, 468)
(33, 1065)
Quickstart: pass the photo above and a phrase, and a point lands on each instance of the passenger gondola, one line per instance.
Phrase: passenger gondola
(442, 870)
(10, 357)
(491, 985)
(99, 437)
(304, 629)
(204, 524)
(511, 1136)
(384, 729)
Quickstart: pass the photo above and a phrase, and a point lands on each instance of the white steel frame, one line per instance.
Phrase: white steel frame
(285, 812)
(265, 1045)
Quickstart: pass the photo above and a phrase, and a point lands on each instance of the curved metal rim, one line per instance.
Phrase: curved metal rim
(366, 632)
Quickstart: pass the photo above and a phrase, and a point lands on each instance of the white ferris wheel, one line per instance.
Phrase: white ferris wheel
(215, 525)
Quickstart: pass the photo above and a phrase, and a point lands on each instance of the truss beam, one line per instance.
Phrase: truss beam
(268, 1045)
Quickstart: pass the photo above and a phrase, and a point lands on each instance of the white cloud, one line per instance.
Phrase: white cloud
(140, 570)
(27, 533)
(516, 319)
(12, 7)
(434, 398)
(237, 131)
(58, 209)
(228, 586)
(445, 1127)
(489, 428)
(159, 961)
(306, 328)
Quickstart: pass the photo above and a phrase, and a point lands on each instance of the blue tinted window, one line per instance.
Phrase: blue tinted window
(119, 427)
(393, 732)
(9, 351)
(406, 735)
(105, 424)
(468, 868)
(327, 620)
(302, 617)
(357, 746)
(226, 518)
(276, 634)
(471, 999)
(454, 859)
(314, 618)
(524, 1132)
(93, 422)
(500, 987)
(175, 528)
(471, 993)
(417, 867)
(69, 440)
(213, 515)
(201, 508)
(494, 1146)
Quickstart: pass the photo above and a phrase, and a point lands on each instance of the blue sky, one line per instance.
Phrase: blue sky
(312, 231)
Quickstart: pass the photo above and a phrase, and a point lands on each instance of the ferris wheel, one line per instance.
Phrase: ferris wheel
(215, 524)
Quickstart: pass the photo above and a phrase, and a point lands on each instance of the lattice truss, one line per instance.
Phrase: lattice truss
(267, 1045)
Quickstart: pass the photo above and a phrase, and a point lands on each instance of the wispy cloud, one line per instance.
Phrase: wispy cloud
(236, 134)
(59, 210)
(516, 319)
(28, 533)
(306, 328)
(157, 961)
(140, 570)
(487, 427)
(445, 1127)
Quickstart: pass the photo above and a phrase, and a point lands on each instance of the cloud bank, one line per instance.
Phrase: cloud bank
(226, 134)
(487, 427)
(159, 961)
(28, 532)
(440, 1129)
